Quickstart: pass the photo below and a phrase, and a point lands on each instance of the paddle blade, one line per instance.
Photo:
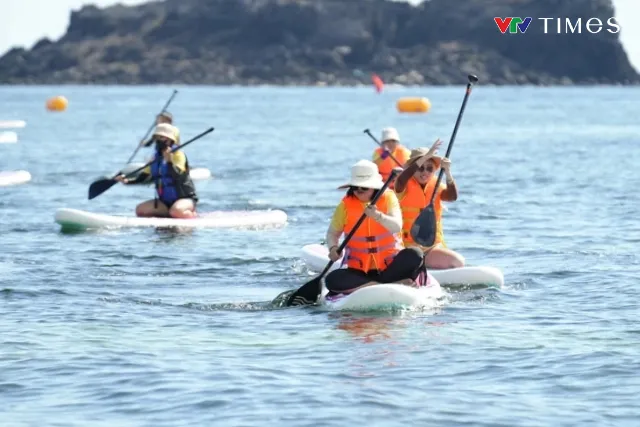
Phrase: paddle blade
(100, 186)
(423, 230)
(307, 294)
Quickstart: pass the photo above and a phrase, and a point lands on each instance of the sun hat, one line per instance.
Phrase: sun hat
(365, 174)
(168, 131)
(390, 134)
(417, 153)
(166, 115)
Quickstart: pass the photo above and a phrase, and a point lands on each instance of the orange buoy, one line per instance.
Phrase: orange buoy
(413, 105)
(57, 103)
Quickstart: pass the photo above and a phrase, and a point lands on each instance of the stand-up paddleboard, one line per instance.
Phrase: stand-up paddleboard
(316, 256)
(8, 178)
(385, 296)
(8, 137)
(12, 124)
(74, 219)
(195, 173)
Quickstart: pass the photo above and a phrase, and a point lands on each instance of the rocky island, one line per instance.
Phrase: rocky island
(327, 42)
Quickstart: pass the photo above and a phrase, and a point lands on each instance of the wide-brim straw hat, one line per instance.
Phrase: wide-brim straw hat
(365, 174)
(421, 152)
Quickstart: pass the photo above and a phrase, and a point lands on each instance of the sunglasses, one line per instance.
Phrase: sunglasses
(360, 189)
(425, 168)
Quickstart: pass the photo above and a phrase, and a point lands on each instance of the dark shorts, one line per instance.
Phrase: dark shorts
(407, 264)
(168, 204)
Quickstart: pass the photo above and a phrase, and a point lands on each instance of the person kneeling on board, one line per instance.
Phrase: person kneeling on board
(391, 149)
(175, 192)
(414, 188)
(375, 253)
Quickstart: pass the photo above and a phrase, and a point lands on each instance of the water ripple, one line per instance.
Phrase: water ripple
(151, 327)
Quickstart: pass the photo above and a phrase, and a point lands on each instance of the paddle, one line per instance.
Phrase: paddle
(101, 185)
(146, 135)
(423, 231)
(310, 291)
(383, 147)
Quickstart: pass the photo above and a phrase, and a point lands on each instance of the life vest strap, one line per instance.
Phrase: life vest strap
(372, 250)
(371, 239)
(352, 258)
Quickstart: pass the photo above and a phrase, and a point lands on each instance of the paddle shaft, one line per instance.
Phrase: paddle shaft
(177, 147)
(453, 136)
(356, 226)
(382, 146)
(153, 125)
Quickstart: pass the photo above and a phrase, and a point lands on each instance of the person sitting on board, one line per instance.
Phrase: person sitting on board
(391, 143)
(176, 193)
(164, 117)
(375, 253)
(414, 187)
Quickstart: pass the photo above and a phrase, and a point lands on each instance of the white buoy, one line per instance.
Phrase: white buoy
(8, 178)
(12, 124)
(8, 137)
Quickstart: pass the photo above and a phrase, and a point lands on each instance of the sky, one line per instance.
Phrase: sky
(24, 22)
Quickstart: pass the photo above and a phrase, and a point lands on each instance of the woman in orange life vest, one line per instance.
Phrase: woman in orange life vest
(414, 188)
(390, 145)
(375, 253)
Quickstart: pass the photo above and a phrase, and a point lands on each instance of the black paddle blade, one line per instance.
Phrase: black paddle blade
(307, 294)
(100, 186)
(423, 230)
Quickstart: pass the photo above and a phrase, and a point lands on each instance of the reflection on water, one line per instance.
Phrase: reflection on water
(368, 329)
(390, 341)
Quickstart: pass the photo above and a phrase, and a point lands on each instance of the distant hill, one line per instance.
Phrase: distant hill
(335, 42)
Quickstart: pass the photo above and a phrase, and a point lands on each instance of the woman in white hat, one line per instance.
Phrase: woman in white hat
(175, 192)
(391, 149)
(414, 188)
(375, 253)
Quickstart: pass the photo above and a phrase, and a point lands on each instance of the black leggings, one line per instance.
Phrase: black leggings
(407, 264)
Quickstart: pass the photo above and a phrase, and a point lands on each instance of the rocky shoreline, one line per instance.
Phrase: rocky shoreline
(331, 42)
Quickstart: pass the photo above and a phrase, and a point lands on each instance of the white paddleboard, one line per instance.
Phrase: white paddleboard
(12, 124)
(8, 137)
(8, 178)
(197, 174)
(316, 257)
(384, 296)
(82, 220)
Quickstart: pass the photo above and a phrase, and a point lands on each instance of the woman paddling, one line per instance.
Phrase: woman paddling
(375, 253)
(414, 188)
(176, 194)
(391, 149)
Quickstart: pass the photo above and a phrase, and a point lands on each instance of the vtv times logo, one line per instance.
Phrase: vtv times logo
(562, 25)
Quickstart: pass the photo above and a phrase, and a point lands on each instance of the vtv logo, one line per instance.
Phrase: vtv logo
(513, 24)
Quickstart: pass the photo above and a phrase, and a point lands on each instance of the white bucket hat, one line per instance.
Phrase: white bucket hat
(390, 134)
(365, 174)
(168, 131)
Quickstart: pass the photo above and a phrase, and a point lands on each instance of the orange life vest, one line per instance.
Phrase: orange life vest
(414, 199)
(372, 247)
(386, 165)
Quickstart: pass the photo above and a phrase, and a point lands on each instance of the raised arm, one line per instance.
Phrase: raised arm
(407, 173)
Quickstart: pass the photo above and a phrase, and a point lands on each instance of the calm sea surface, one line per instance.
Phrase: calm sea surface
(141, 327)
